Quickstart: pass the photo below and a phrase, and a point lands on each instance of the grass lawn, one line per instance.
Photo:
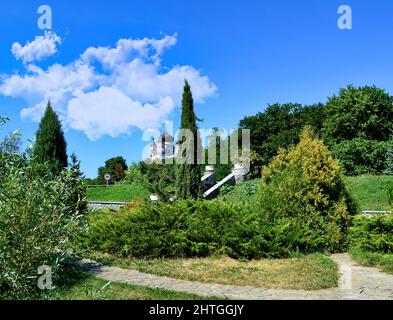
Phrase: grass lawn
(309, 272)
(382, 261)
(78, 285)
(121, 193)
(370, 191)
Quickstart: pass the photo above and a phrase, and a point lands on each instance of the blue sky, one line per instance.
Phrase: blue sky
(241, 55)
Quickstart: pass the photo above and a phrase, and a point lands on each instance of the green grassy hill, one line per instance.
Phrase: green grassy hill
(120, 193)
(369, 191)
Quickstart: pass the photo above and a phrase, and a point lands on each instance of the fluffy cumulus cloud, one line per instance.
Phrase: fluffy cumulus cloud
(96, 112)
(40, 48)
(107, 90)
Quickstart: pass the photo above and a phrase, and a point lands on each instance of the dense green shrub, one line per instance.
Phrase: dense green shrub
(303, 187)
(286, 222)
(183, 229)
(373, 234)
(360, 156)
(189, 229)
(37, 222)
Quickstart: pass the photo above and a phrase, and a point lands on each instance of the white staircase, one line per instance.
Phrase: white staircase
(215, 190)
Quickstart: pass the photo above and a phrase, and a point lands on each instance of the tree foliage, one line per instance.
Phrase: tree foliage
(116, 167)
(12, 142)
(277, 127)
(361, 156)
(364, 112)
(160, 179)
(50, 145)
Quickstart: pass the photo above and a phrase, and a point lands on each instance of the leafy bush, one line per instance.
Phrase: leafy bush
(360, 156)
(372, 234)
(37, 222)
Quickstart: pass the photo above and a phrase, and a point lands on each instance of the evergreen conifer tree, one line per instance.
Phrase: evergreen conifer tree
(50, 146)
(77, 196)
(188, 178)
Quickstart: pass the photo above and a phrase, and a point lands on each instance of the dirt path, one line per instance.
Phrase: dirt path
(355, 282)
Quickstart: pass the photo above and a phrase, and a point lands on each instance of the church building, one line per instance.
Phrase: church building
(164, 147)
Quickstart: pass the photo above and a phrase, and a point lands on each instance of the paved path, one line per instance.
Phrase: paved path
(355, 282)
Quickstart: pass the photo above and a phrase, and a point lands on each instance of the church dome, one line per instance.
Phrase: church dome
(166, 137)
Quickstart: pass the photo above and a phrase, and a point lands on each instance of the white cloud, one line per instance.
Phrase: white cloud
(127, 49)
(107, 91)
(40, 48)
(96, 113)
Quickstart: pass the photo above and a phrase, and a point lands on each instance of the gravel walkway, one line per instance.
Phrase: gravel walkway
(355, 282)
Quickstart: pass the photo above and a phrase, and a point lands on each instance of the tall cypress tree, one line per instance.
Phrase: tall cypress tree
(50, 146)
(188, 178)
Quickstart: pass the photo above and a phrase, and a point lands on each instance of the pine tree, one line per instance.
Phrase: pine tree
(188, 178)
(389, 160)
(50, 146)
(77, 196)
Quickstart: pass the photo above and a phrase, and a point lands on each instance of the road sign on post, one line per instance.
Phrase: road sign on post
(107, 178)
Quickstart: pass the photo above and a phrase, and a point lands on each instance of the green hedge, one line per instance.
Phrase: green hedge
(183, 229)
(202, 228)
